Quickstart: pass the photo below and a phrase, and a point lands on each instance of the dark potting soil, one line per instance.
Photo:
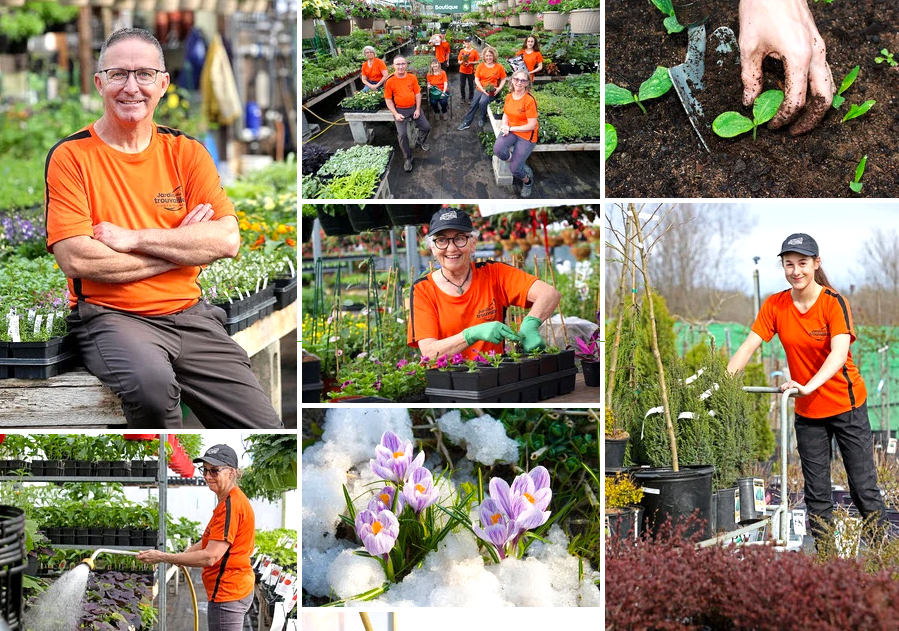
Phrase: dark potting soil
(659, 155)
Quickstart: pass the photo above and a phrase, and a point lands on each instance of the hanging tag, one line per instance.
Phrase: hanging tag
(31, 314)
(50, 318)
(13, 329)
(293, 272)
(38, 322)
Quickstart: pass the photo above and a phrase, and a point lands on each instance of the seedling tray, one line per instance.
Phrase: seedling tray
(38, 368)
(522, 391)
(285, 292)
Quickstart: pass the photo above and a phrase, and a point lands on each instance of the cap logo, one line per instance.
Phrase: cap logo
(212, 450)
(449, 215)
(796, 241)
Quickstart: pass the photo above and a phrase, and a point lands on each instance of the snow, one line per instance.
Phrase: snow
(351, 574)
(485, 437)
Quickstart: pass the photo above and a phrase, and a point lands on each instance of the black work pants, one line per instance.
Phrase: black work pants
(154, 362)
(856, 442)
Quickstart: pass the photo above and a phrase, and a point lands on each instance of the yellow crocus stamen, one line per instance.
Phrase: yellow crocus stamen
(530, 497)
(376, 527)
(419, 488)
(385, 498)
(495, 518)
(397, 454)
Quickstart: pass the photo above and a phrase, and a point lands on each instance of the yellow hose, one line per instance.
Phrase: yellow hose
(193, 595)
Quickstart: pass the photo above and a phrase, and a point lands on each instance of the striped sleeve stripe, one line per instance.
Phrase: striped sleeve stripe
(218, 579)
(845, 371)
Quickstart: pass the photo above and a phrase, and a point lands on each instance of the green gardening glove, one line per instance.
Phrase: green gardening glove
(492, 332)
(530, 335)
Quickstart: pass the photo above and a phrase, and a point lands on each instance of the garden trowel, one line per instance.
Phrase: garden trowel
(687, 77)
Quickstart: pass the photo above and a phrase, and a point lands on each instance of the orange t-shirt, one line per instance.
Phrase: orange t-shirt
(473, 57)
(806, 340)
(442, 51)
(490, 76)
(494, 287)
(402, 90)
(518, 112)
(437, 79)
(233, 521)
(531, 59)
(88, 182)
(376, 72)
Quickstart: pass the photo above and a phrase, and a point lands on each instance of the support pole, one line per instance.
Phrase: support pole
(162, 485)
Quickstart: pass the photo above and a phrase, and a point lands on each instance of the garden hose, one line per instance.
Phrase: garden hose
(89, 561)
(193, 596)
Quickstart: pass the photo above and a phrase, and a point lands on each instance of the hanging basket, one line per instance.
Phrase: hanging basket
(527, 19)
(378, 24)
(364, 23)
(340, 28)
(308, 28)
(372, 217)
(337, 224)
(411, 214)
(514, 20)
(167, 6)
(586, 21)
(502, 6)
(191, 5)
(146, 5)
(555, 21)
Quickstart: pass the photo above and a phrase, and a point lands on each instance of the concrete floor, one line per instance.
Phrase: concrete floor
(456, 168)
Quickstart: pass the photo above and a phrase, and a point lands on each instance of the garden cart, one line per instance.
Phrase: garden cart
(776, 525)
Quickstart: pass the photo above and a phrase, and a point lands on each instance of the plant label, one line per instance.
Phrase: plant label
(38, 322)
(646, 489)
(798, 516)
(13, 329)
(31, 314)
(758, 487)
(891, 446)
(293, 271)
(737, 506)
(50, 318)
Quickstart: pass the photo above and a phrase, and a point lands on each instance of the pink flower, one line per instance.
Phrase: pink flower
(457, 359)
(424, 361)
(402, 363)
(442, 362)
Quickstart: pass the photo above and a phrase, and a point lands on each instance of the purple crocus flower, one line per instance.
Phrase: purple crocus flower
(533, 487)
(384, 500)
(496, 527)
(419, 492)
(377, 530)
(393, 459)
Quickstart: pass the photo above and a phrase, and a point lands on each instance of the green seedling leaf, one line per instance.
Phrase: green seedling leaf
(611, 139)
(657, 85)
(730, 124)
(616, 95)
(856, 185)
(858, 110)
(665, 6)
(838, 100)
(672, 25)
(765, 106)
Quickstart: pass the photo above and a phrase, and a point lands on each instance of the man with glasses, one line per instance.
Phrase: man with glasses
(134, 210)
(461, 307)
(402, 95)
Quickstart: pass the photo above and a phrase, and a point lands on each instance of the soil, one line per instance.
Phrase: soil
(659, 154)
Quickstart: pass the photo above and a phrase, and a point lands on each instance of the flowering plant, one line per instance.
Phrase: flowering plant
(510, 512)
(588, 350)
(492, 359)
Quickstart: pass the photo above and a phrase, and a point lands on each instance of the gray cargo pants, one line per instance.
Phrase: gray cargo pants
(229, 615)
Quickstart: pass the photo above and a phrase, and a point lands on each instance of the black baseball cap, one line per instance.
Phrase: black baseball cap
(466, 39)
(219, 456)
(450, 218)
(800, 243)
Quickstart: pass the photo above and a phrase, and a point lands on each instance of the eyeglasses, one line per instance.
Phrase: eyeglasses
(144, 76)
(400, 64)
(460, 241)
(516, 80)
(211, 472)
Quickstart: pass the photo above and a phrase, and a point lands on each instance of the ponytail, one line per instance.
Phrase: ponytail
(821, 278)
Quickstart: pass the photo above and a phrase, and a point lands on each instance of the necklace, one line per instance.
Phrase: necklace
(459, 287)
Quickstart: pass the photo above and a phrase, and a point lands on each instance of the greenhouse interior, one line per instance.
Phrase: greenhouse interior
(344, 119)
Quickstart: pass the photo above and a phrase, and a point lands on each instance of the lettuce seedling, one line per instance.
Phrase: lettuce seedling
(857, 110)
(670, 22)
(730, 124)
(887, 57)
(611, 139)
(657, 85)
(838, 100)
(856, 186)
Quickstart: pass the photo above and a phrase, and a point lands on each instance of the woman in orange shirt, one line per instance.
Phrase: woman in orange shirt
(468, 57)
(442, 51)
(374, 70)
(438, 85)
(489, 79)
(518, 130)
(531, 55)
(815, 327)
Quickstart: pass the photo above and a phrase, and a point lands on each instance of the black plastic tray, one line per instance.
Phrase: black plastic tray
(499, 394)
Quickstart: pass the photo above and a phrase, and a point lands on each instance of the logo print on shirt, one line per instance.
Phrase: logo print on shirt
(173, 201)
(820, 334)
(487, 313)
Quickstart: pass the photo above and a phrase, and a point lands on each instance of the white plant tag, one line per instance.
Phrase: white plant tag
(38, 322)
(13, 329)
(50, 318)
(31, 314)
(646, 489)
(293, 271)
(799, 521)
(891, 446)
(258, 281)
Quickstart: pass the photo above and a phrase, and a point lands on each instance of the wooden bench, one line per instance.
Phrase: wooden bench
(78, 399)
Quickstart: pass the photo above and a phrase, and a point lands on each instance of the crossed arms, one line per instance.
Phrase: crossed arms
(120, 255)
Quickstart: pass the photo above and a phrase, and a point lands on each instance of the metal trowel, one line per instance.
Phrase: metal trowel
(687, 77)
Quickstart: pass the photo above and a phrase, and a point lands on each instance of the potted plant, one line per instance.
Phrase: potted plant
(615, 441)
(584, 16)
(363, 14)
(312, 9)
(528, 9)
(338, 21)
(411, 214)
(622, 506)
(588, 352)
(365, 217)
(334, 220)
(12, 454)
(555, 17)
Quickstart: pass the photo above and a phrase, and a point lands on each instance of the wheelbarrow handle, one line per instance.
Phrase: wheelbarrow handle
(690, 13)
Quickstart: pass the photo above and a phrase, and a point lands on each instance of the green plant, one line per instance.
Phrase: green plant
(838, 99)
(730, 124)
(356, 158)
(655, 86)
(858, 110)
(359, 185)
(192, 444)
(670, 22)
(886, 56)
(611, 140)
(856, 185)
(621, 491)
(273, 466)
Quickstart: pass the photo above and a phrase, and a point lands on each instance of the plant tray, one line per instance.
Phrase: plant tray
(312, 392)
(285, 292)
(521, 391)
(39, 368)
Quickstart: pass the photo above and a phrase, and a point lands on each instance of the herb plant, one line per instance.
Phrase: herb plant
(856, 185)
(657, 85)
(730, 124)
(886, 56)
(611, 139)
(838, 99)
(858, 110)
(670, 22)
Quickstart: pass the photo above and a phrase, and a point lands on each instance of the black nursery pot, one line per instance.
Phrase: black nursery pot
(677, 495)
(615, 448)
(508, 373)
(483, 379)
(726, 510)
(439, 379)
(528, 369)
(150, 538)
(306, 226)
(626, 522)
(81, 537)
(566, 359)
(592, 373)
(312, 369)
(411, 214)
(335, 225)
(109, 536)
(549, 364)
(372, 217)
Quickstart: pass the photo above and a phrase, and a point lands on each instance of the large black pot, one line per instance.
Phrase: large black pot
(372, 217)
(726, 510)
(306, 227)
(411, 214)
(615, 448)
(592, 373)
(335, 225)
(677, 495)
(13, 562)
(625, 522)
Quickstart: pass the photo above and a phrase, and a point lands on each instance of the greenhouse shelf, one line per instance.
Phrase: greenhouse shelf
(81, 478)
(67, 546)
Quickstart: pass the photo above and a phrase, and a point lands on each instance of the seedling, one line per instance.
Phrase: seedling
(670, 22)
(886, 56)
(730, 124)
(838, 100)
(611, 139)
(857, 110)
(856, 186)
(657, 85)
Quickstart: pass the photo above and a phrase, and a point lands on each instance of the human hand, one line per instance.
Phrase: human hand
(398, 116)
(493, 332)
(115, 237)
(786, 30)
(504, 130)
(530, 335)
(803, 389)
(202, 212)
(150, 556)
(416, 113)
